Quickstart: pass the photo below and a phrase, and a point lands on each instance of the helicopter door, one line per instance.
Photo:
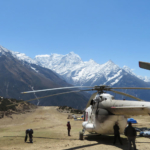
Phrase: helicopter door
(97, 109)
(86, 116)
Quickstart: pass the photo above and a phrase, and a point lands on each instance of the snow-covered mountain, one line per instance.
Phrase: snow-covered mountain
(77, 72)
(130, 71)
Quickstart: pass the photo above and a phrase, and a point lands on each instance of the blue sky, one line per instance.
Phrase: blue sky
(105, 30)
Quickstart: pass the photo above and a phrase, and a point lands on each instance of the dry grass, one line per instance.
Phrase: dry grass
(50, 133)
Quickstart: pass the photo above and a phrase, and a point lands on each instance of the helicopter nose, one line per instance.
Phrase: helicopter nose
(84, 124)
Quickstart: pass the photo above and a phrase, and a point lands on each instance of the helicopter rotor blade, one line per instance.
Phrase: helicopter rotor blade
(144, 65)
(136, 88)
(93, 96)
(50, 96)
(121, 93)
(60, 88)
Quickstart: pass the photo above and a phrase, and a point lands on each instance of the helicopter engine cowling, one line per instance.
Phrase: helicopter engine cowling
(101, 111)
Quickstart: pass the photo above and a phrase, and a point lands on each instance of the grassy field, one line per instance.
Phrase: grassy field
(50, 132)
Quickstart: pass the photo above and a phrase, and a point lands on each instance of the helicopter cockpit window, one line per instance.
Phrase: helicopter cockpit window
(102, 98)
(92, 102)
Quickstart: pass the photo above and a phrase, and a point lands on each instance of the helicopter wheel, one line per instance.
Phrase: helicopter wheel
(81, 133)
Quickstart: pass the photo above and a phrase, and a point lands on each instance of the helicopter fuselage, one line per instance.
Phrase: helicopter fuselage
(104, 111)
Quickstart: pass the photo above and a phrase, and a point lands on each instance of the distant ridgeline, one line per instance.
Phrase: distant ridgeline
(17, 107)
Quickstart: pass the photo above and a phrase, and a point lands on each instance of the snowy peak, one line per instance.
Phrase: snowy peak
(42, 56)
(3, 50)
(109, 68)
(74, 56)
(91, 61)
(127, 69)
(23, 57)
(110, 64)
(71, 58)
(19, 56)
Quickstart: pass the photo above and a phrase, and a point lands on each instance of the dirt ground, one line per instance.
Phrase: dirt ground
(50, 132)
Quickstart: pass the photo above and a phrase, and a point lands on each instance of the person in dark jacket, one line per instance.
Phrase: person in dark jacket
(130, 132)
(29, 132)
(117, 133)
(69, 128)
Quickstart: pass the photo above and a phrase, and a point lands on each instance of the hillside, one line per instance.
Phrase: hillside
(17, 76)
(13, 106)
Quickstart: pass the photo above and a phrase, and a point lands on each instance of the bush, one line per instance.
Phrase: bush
(4, 103)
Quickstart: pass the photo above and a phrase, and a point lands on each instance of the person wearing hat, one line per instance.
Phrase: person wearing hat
(130, 132)
(68, 127)
(117, 133)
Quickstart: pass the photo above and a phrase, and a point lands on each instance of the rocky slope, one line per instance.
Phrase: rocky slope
(13, 106)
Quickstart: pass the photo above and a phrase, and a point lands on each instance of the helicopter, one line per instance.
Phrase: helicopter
(103, 111)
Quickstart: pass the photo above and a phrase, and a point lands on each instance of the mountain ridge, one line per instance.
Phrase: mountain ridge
(75, 73)
(71, 68)
(18, 75)
(53, 58)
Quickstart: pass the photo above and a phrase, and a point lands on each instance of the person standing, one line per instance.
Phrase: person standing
(130, 132)
(29, 132)
(69, 128)
(117, 133)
